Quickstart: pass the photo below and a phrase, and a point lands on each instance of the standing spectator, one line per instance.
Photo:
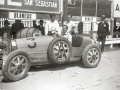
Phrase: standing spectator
(34, 24)
(66, 34)
(52, 26)
(6, 31)
(70, 24)
(103, 31)
(16, 26)
(41, 27)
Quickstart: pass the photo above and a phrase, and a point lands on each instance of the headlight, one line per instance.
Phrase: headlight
(13, 45)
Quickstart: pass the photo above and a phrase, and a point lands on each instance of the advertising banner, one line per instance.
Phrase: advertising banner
(23, 16)
(43, 6)
(116, 9)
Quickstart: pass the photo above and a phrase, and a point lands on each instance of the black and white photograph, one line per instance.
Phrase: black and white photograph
(59, 44)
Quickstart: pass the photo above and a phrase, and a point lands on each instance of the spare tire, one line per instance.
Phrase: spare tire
(60, 50)
(28, 32)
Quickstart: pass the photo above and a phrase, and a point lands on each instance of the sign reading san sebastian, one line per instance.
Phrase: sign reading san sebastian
(43, 6)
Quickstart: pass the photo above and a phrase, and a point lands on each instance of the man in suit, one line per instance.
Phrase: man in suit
(103, 31)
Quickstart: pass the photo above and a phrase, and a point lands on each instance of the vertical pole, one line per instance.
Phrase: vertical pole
(81, 9)
(112, 19)
(112, 22)
(61, 10)
(96, 9)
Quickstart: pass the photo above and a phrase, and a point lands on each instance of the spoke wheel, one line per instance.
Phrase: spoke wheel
(16, 65)
(91, 56)
(59, 50)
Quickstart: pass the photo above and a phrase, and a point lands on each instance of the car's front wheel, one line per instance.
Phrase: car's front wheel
(16, 65)
(91, 56)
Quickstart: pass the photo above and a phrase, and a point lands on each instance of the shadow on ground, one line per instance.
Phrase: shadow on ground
(57, 67)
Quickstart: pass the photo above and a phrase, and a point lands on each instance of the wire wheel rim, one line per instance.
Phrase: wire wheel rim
(61, 50)
(93, 56)
(18, 66)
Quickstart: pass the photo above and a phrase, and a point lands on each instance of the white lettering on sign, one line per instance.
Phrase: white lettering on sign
(28, 2)
(45, 4)
(2, 2)
(9, 2)
(18, 15)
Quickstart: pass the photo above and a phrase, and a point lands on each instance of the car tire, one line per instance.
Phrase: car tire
(91, 56)
(60, 50)
(16, 65)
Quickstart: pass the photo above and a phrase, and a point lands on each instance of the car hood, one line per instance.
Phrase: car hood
(34, 44)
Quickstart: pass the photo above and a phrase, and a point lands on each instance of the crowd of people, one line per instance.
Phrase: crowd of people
(52, 28)
(8, 32)
(55, 28)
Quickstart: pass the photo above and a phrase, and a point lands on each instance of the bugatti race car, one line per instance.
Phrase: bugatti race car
(30, 48)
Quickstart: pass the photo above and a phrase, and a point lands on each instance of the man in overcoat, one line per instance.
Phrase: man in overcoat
(103, 31)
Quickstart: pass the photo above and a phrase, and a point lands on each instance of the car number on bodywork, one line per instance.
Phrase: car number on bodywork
(33, 44)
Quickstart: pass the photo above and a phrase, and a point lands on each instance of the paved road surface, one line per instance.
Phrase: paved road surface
(72, 76)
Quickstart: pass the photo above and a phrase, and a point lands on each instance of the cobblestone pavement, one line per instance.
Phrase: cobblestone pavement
(72, 76)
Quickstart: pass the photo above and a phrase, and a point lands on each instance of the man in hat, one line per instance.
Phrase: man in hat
(52, 26)
(103, 31)
(6, 31)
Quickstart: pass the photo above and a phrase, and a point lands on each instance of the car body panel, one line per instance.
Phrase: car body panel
(33, 44)
(37, 47)
(77, 51)
(34, 47)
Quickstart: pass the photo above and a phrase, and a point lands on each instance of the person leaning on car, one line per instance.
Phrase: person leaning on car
(52, 26)
(103, 31)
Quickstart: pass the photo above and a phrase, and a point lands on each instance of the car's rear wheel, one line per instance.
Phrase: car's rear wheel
(16, 65)
(91, 56)
(60, 50)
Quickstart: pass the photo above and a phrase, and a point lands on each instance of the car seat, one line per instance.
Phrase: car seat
(77, 40)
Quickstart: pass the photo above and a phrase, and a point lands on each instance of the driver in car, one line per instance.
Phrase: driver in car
(66, 34)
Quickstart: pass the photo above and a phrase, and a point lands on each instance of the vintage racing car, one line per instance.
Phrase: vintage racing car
(29, 50)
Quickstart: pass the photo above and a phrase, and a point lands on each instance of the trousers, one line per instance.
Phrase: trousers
(102, 39)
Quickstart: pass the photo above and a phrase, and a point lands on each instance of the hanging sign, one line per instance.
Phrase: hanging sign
(20, 15)
(116, 9)
(45, 6)
(89, 19)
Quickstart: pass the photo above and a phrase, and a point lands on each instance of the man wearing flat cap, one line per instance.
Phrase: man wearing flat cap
(103, 31)
(6, 31)
(52, 26)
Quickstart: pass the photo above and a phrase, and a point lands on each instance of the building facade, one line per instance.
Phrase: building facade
(29, 10)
